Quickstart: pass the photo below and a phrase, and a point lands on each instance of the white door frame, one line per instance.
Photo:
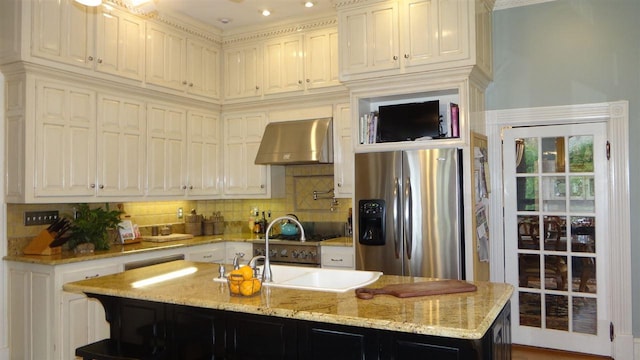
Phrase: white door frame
(616, 116)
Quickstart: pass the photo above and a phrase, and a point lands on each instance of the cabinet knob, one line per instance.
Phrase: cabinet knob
(261, 186)
(184, 82)
(101, 187)
(406, 56)
(339, 184)
(191, 187)
(99, 61)
(395, 57)
(257, 87)
(93, 186)
(190, 84)
(308, 81)
(184, 187)
(299, 82)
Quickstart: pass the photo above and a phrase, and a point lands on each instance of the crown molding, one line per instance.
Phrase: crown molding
(507, 4)
(286, 29)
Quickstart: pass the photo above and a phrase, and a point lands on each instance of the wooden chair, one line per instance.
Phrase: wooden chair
(528, 235)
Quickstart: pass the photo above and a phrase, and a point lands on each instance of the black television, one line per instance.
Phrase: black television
(408, 122)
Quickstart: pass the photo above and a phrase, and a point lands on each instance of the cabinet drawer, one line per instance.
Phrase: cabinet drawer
(209, 256)
(89, 273)
(342, 259)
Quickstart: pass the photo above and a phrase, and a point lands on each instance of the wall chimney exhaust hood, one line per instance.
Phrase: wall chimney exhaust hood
(297, 142)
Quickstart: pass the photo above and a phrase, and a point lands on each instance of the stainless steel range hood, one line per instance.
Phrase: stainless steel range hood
(297, 142)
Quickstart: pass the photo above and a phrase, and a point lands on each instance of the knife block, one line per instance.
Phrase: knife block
(40, 245)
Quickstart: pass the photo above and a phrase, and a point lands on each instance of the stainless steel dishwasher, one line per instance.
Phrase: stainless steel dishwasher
(153, 261)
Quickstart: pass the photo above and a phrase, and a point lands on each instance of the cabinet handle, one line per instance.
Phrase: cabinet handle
(91, 276)
(406, 56)
(90, 58)
(395, 57)
(337, 260)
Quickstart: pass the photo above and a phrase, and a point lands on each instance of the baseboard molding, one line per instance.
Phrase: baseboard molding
(636, 348)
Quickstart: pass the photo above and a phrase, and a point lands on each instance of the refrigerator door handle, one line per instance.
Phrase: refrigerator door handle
(396, 212)
(408, 215)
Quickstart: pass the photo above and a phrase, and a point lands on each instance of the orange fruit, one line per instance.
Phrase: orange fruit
(235, 281)
(246, 271)
(250, 287)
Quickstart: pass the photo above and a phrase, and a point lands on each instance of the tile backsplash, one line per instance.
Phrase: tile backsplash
(300, 181)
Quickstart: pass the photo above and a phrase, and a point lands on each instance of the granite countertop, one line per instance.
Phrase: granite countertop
(463, 315)
(68, 256)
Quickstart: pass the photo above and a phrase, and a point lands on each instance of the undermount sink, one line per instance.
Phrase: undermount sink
(306, 278)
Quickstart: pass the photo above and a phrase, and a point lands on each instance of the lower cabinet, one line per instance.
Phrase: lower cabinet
(183, 332)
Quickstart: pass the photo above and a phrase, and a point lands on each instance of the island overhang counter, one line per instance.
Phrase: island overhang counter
(298, 324)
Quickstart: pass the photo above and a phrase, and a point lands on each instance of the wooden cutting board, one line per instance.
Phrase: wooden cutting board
(164, 238)
(436, 287)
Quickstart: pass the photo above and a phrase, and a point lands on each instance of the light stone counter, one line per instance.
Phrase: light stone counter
(463, 316)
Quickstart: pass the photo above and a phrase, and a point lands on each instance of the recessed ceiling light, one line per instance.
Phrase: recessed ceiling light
(224, 20)
(308, 4)
(266, 12)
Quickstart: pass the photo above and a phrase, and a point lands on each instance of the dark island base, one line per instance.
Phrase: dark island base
(171, 331)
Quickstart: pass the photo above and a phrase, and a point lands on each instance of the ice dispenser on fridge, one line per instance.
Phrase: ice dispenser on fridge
(371, 217)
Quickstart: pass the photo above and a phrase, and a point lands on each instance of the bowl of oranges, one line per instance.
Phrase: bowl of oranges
(242, 282)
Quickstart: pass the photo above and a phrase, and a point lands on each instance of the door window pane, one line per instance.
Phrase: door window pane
(583, 234)
(584, 274)
(555, 233)
(528, 232)
(555, 272)
(530, 309)
(581, 153)
(585, 315)
(553, 155)
(557, 312)
(529, 270)
(527, 188)
(527, 155)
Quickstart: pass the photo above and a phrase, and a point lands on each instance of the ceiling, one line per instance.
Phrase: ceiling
(244, 13)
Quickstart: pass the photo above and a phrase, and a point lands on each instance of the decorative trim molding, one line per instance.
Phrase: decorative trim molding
(616, 116)
(290, 29)
(507, 4)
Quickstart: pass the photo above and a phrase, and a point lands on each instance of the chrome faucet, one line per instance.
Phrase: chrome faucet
(266, 272)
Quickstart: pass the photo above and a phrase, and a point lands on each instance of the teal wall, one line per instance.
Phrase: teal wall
(574, 52)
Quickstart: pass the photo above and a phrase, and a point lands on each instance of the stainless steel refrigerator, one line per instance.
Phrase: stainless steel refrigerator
(409, 213)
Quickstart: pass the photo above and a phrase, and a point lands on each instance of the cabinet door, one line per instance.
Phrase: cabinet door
(242, 250)
(283, 63)
(121, 146)
(204, 153)
(203, 69)
(65, 140)
(166, 150)
(242, 140)
(339, 257)
(370, 41)
(321, 59)
(63, 31)
(434, 31)
(119, 44)
(243, 72)
(343, 151)
(83, 319)
(165, 57)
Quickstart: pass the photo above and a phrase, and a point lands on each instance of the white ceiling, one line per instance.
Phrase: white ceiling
(243, 13)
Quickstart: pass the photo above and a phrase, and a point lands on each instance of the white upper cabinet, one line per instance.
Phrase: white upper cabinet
(343, 155)
(204, 153)
(242, 177)
(166, 139)
(405, 36)
(202, 72)
(369, 38)
(243, 71)
(120, 43)
(63, 31)
(165, 57)
(65, 137)
(283, 65)
(321, 58)
(121, 146)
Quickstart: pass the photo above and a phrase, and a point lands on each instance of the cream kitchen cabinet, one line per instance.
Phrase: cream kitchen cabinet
(321, 58)
(63, 31)
(283, 65)
(165, 57)
(120, 43)
(121, 144)
(243, 250)
(214, 253)
(166, 139)
(204, 153)
(242, 177)
(343, 155)
(64, 139)
(202, 71)
(404, 36)
(243, 71)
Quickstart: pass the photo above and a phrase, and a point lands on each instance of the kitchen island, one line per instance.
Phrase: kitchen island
(195, 317)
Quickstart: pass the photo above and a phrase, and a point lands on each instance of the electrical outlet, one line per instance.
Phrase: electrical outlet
(32, 218)
(180, 213)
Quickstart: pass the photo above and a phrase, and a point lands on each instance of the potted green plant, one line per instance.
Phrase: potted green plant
(91, 226)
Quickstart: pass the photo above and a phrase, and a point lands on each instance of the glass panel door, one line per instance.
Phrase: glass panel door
(555, 190)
